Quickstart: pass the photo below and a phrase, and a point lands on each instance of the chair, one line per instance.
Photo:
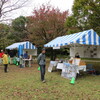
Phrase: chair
(90, 69)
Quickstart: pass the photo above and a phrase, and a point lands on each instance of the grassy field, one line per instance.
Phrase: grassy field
(25, 84)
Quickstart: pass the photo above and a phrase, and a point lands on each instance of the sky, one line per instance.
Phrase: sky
(63, 5)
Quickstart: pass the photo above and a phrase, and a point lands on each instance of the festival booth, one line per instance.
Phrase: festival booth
(22, 47)
(86, 43)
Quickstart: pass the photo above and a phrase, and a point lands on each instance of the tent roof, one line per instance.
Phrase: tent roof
(88, 37)
(26, 45)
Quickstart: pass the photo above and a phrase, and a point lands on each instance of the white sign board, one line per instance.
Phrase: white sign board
(52, 64)
(60, 66)
(69, 72)
(56, 47)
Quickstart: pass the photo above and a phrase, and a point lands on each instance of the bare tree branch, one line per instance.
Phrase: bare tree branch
(3, 20)
(16, 4)
(6, 6)
(10, 5)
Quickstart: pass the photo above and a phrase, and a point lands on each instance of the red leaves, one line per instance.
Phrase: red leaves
(46, 23)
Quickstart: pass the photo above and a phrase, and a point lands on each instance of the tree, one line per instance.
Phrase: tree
(71, 25)
(7, 6)
(85, 15)
(45, 24)
(19, 23)
(18, 32)
(4, 31)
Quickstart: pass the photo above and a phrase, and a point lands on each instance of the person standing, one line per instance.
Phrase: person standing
(11, 54)
(21, 61)
(26, 57)
(5, 61)
(1, 54)
(42, 64)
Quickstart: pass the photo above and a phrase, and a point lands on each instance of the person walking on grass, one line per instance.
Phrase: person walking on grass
(5, 61)
(42, 64)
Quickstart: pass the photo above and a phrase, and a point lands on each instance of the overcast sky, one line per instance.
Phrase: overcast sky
(63, 5)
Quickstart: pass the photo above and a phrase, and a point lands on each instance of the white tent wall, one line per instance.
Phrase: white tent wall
(98, 52)
(86, 51)
(74, 50)
(32, 52)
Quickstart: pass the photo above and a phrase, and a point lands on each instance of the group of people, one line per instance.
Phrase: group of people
(41, 61)
(4, 59)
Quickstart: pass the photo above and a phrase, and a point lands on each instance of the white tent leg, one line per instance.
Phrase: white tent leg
(74, 50)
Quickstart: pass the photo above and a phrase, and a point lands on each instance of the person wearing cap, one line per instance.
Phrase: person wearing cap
(42, 64)
(5, 61)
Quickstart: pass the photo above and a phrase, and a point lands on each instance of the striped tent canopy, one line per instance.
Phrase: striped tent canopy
(26, 45)
(88, 37)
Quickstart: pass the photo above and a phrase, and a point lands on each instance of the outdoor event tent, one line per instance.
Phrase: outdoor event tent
(88, 37)
(24, 46)
(87, 43)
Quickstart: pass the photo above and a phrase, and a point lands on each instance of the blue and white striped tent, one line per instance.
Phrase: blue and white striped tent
(26, 45)
(88, 37)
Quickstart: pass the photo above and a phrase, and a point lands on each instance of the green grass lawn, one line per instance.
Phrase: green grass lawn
(25, 84)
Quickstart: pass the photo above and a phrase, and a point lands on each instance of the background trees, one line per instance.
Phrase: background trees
(85, 16)
(16, 32)
(19, 32)
(45, 24)
(4, 31)
(6, 7)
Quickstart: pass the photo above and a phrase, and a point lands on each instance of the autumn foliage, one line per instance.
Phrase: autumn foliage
(45, 24)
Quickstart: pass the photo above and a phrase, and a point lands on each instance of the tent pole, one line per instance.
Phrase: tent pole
(74, 49)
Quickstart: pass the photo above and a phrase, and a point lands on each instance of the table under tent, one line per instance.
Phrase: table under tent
(21, 48)
(86, 43)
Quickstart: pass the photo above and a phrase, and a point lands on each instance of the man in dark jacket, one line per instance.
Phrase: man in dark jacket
(42, 63)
